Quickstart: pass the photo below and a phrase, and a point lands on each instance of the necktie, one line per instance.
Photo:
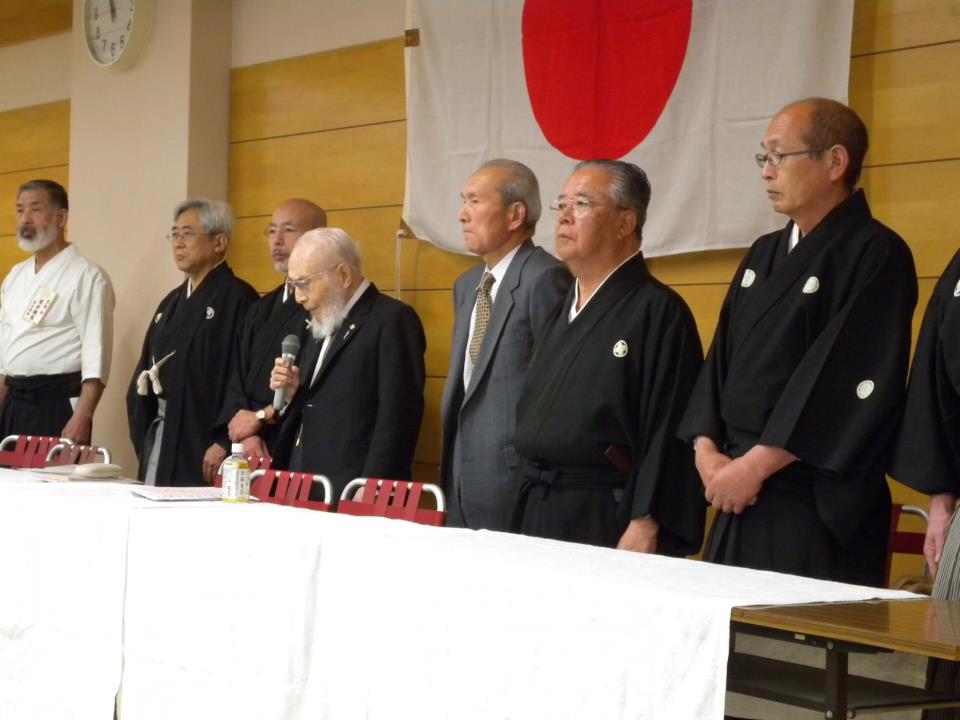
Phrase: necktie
(484, 305)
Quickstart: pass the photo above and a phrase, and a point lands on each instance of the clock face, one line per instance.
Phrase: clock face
(108, 25)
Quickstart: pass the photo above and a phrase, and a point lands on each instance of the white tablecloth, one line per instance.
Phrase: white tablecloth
(261, 612)
(208, 610)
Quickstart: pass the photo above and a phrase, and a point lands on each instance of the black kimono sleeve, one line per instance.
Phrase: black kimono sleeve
(927, 455)
(665, 481)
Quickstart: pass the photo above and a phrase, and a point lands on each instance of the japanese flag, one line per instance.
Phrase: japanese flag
(683, 88)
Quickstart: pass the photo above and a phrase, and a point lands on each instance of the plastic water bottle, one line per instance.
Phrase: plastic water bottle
(236, 476)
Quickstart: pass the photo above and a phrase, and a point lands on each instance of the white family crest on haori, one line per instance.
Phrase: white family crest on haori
(811, 285)
(682, 88)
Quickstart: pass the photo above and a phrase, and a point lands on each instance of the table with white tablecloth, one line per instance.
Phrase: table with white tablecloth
(260, 611)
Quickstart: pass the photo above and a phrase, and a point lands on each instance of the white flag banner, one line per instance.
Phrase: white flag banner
(683, 88)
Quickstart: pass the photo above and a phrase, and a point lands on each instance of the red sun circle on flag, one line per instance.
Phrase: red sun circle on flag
(600, 73)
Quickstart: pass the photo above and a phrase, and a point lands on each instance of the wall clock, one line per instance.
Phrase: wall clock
(117, 31)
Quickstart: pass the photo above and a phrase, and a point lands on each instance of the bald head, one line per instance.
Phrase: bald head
(830, 123)
(289, 221)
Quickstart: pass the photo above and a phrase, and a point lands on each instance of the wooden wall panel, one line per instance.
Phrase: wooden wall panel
(340, 169)
(711, 266)
(919, 202)
(909, 102)
(704, 302)
(427, 267)
(374, 229)
(435, 308)
(319, 92)
(35, 137)
(883, 25)
(429, 446)
(24, 20)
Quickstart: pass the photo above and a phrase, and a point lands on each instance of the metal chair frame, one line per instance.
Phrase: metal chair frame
(396, 499)
(287, 487)
(28, 451)
(66, 453)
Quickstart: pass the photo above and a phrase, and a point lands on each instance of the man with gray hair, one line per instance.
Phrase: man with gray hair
(178, 385)
(607, 384)
(355, 401)
(56, 325)
(500, 308)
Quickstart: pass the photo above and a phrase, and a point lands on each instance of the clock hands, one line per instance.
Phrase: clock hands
(113, 11)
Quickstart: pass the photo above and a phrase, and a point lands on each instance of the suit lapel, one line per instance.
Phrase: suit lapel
(453, 399)
(502, 307)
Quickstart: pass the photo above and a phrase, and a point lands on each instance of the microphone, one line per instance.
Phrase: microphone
(288, 351)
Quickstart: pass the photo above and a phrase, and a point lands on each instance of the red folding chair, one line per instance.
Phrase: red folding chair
(909, 543)
(70, 454)
(27, 451)
(286, 487)
(256, 463)
(397, 499)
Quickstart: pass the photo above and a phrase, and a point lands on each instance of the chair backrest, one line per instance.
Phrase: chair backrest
(286, 487)
(70, 454)
(397, 499)
(902, 541)
(27, 451)
(256, 463)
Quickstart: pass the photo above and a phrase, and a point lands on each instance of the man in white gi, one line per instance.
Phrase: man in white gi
(56, 325)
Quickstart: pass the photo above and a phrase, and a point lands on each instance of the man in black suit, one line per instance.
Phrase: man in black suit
(500, 307)
(356, 399)
(268, 321)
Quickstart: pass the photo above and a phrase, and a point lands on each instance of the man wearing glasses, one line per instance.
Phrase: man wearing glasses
(608, 381)
(273, 317)
(178, 385)
(356, 397)
(794, 412)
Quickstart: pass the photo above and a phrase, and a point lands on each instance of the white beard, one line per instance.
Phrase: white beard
(327, 325)
(43, 239)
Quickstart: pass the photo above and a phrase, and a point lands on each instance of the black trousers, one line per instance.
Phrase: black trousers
(783, 532)
(38, 405)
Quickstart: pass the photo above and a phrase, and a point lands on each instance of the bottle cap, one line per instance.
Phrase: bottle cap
(236, 448)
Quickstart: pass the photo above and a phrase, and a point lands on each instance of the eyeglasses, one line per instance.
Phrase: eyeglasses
(273, 231)
(579, 206)
(186, 235)
(775, 157)
(303, 284)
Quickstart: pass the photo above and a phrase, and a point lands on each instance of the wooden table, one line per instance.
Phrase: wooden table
(926, 627)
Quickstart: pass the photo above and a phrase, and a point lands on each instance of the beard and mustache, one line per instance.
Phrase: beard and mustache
(330, 320)
(41, 238)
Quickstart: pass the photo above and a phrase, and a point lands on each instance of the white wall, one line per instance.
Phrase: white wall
(265, 30)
